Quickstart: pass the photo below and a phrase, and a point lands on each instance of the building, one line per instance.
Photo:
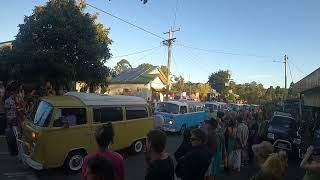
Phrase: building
(309, 90)
(6, 44)
(148, 82)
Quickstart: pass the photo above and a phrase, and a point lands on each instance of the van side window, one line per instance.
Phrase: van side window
(107, 114)
(72, 116)
(183, 109)
(136, 112)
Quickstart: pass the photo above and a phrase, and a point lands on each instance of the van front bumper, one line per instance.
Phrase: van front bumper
(33, 164)
(26, 159)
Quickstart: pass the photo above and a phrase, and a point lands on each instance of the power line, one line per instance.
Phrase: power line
(204, 67)
(176, 65)
(152, 52)
(297, 68)
(137, 52)
(116, 17)
(290, 71)
(227, 53)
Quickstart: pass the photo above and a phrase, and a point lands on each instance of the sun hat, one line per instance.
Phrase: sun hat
(262, 150)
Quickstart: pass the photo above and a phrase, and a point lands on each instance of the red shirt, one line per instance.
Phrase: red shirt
(115, 158)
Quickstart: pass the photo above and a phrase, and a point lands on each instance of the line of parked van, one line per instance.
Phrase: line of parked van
(61, 130)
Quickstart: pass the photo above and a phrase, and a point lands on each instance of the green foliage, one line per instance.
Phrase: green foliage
(145, 65)
(203, 90)
(61, 43)
(291, 93)
(252, 92)
(219, 81)
(121, 66)
(178, 85)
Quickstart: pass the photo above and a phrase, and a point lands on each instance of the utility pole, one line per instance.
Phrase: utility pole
(169, 43)
(189, 86)
(285, 70)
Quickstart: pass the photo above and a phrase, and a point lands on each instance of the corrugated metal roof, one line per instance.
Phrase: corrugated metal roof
(136, 75)
(309, 82)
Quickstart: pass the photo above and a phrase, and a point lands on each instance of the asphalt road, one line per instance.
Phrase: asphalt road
(11, 169)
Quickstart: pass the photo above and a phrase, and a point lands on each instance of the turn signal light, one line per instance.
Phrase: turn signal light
(34, 136)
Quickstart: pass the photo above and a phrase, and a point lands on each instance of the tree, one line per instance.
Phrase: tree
(291, 93)
(179, 84)
(121, 66)
(145, 65)
(59, 42)
(219, 81)
(203, 90)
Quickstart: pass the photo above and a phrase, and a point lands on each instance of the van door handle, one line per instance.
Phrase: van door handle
(87, 134)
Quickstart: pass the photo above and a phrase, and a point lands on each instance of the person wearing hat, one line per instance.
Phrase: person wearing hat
(274, 167)
(262, 151)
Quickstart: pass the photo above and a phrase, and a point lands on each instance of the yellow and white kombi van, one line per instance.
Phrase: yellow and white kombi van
(61, 131)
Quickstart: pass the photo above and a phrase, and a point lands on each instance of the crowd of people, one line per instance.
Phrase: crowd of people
(16, 103)
(226, 143)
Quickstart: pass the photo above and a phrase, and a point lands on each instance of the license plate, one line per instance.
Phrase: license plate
(282, 146)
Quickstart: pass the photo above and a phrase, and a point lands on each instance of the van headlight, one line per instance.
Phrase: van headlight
(171, 122)
(270, 136)
(296, 141)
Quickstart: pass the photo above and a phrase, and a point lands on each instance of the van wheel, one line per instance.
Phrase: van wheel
(183, 128)
(74, 161)
(137, 146)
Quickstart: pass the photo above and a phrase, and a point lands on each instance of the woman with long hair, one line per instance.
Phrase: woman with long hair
(104, 138)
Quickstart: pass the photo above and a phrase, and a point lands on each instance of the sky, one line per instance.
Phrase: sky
(247, 37)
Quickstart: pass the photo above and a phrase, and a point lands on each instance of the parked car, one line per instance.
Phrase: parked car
(283, 133)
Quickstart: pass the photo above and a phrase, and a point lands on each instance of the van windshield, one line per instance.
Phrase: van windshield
(282, 122)
(169, 108)
(41, 115)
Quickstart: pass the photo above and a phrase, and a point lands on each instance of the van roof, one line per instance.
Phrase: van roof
(92, 99)
(176, 103)
(63, 101)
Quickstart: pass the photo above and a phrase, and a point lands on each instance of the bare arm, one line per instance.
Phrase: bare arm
(304, 162)
(313, 167)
